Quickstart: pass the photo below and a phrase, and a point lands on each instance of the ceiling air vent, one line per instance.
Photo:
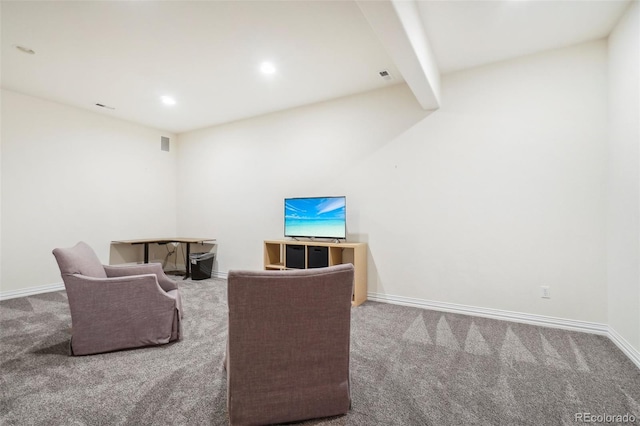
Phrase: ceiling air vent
(385, 75)
(104, 106)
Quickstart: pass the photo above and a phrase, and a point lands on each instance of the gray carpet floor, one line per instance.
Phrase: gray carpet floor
(409, 367)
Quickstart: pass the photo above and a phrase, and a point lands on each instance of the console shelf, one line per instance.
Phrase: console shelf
(313, 254)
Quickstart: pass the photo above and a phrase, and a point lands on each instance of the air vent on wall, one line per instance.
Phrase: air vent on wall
(104, 106)
(385, 75)
(164, 143)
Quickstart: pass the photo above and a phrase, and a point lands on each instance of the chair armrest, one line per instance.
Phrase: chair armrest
(166, 283)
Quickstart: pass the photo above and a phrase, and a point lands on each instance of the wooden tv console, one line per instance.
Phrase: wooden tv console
(275, 258)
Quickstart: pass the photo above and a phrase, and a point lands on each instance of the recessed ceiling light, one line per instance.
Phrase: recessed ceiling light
(25, 49)
(168, 100)
(267, 68)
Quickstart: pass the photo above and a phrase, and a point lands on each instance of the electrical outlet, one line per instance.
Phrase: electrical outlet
(545, 292)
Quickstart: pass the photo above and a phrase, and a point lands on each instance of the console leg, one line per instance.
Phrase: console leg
(187, 262)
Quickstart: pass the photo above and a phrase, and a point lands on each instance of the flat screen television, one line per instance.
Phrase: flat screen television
(315, 217)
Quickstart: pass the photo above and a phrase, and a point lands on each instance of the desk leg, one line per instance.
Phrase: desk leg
(187, 261)
(146, 252)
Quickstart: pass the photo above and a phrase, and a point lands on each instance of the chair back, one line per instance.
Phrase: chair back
(79, 259)
(288, 347)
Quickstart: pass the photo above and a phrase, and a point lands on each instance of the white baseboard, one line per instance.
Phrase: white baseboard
(12, 294)
(539, 320)
(218, 274)
(533, 319)
(632, 353)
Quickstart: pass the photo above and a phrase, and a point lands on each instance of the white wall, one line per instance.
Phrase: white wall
(623, 203)
(480, 203)
(70, 175)
(234, 177)
(0, 187)
(0, 166)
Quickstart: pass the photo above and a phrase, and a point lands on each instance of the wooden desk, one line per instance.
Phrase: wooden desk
(187, 241)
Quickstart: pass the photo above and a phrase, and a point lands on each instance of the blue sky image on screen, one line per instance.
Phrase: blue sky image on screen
(315, 217)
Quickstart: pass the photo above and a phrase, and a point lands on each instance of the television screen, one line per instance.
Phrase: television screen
(321, 217)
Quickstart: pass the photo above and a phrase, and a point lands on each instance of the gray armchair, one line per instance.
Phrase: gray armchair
(288, 346)
(117, 307)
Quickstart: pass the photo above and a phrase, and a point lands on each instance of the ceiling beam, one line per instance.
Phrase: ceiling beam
(399, 27)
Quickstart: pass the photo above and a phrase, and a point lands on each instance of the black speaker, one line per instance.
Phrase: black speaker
(294, 257)
(318, 257)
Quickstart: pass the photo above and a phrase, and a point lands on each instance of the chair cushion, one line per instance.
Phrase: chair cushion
(79, 259)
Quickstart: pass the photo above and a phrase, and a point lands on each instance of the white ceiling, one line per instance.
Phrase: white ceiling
(465, 34)
(206, 54)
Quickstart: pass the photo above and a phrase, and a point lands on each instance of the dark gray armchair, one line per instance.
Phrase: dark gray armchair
(288, 348)
(117, 307)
